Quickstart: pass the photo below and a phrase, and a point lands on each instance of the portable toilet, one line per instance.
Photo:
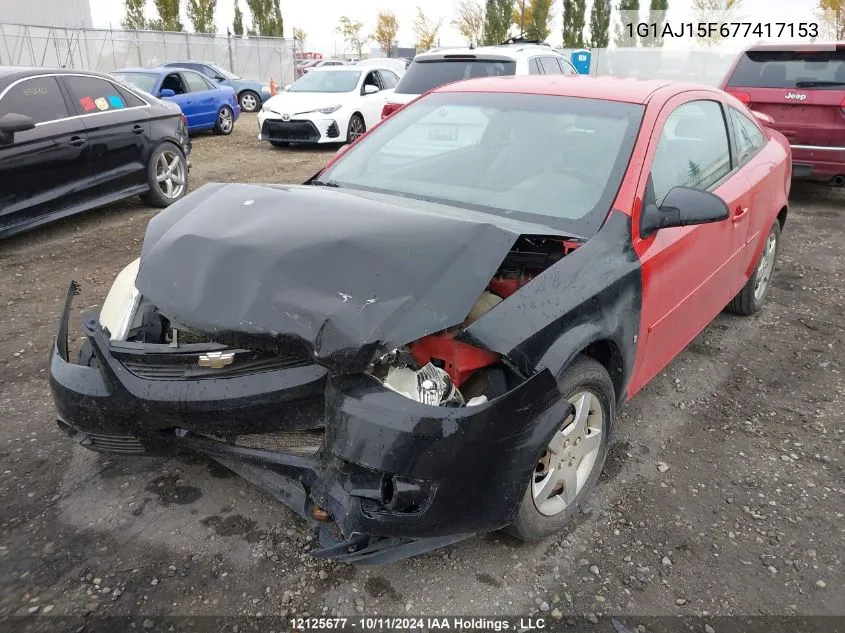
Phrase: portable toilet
(581, 60)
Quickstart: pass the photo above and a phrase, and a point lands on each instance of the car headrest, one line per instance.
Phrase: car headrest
(773, 72)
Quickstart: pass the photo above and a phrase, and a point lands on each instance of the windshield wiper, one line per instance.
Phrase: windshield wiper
(818, 84)
(325, 183)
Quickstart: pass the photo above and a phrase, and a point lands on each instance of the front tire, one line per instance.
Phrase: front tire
(570, 465)
(225, 121)
(356, 128)
(167, 176)
(752, 295)
(250, 101)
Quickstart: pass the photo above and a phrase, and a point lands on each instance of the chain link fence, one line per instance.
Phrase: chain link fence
(106, 50)
(698, 65)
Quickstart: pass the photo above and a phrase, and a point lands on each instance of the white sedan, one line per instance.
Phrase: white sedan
(328, 105)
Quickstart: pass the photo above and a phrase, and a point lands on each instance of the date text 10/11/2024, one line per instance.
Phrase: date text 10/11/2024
(712, 30)
(405, 623)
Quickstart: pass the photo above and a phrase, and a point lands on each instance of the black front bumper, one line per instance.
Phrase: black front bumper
(393, 477)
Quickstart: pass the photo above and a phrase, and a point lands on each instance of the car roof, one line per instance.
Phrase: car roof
(342, 69)
(10, 74)
(812, 46)
(623, 89)
(507, 51)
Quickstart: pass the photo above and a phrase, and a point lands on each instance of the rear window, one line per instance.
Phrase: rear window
(790, 69)
(423, 76)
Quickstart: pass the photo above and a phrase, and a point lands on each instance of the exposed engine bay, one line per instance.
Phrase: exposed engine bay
(441, 371)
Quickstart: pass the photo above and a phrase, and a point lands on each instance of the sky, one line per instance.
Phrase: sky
(319, 17)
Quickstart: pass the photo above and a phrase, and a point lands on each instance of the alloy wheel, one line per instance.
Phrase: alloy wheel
(226, 121)
(249, 102)
(356, 129)
(765, 267)
(564, 469)
(170, 174)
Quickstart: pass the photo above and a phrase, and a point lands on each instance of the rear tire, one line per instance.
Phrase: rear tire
(160, 170)
(585, 382)
(225, 121)
(249, 101)
(752, 295)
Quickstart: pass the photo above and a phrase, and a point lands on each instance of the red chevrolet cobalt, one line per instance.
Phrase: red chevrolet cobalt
(430, 338)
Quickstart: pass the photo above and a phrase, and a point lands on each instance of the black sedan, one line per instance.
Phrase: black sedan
(71, 141)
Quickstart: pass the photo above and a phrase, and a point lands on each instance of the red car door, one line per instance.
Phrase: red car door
(689, 273)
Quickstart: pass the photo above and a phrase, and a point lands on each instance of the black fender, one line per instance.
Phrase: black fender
(593, 294)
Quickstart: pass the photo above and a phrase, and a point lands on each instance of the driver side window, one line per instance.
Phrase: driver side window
(370, 80)
(692, 151)
(174, 83)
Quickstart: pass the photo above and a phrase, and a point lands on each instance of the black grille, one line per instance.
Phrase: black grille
(186, 367)
(125, 444)
(290, 131)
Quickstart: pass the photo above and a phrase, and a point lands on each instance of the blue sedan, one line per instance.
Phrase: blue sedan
(251, 94)
(206, 105)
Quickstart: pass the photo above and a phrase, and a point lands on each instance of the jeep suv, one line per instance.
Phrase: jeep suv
(439, 67)
(802, 89)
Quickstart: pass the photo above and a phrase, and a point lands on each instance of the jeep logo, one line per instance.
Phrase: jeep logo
(797, 96)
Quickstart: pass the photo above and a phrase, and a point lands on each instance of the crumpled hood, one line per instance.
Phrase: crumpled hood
(339, 276)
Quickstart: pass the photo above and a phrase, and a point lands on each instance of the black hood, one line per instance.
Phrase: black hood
(339, 276)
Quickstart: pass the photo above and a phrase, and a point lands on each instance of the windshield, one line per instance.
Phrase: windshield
(558, 161)
(142, 81)
(790, 69)
(423, 76)
(222, 71)
(326, 81)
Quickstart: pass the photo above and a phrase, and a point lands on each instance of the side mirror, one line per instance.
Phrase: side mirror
(683, 206)
(764, 119)
(220, 79)
(166, 92)
(370, 89)
(12, 123)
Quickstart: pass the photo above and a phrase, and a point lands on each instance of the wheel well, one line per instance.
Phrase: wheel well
(606, 353)
(782, 218)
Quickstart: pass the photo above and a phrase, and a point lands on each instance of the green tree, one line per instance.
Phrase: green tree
(353, 34)
(497, 21)
(201, 15)
(574, 20)
(600, 24)
(539, 27)
(656, 15)
(134, 19)
(266, 18)
(629, 11)
(238, 21)
(168, 16)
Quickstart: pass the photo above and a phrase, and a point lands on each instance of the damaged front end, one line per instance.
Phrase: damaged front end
(424, 438)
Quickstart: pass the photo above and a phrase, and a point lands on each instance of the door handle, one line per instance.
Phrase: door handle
(137, 129)
(740, 213)
(77, 141)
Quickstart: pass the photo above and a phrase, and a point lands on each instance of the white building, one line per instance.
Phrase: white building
(73, 13)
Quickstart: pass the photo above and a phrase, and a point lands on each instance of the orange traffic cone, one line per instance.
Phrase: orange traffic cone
(272, 87)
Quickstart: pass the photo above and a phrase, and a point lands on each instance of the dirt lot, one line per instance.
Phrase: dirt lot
(748, 518)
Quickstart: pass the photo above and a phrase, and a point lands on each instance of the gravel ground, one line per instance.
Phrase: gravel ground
(723, 494)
